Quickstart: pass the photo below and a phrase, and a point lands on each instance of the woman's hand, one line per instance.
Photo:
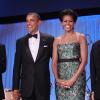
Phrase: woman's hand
(62, 83)
(66, 83)
(69, 83)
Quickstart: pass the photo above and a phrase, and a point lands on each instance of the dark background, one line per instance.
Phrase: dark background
(15, 10)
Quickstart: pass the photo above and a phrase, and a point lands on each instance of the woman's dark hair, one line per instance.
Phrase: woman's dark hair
(69, 12)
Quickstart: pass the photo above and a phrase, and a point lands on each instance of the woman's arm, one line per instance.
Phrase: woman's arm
(55, 59)
(84, 56)
(60, 82)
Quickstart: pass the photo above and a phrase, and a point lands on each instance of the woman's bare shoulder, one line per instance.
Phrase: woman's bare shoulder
(82, 38)
(81, 35)
(57, 40)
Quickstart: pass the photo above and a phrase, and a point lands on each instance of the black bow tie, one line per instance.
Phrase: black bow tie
(35, 36)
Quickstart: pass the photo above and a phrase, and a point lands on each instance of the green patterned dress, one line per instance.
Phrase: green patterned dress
(66, 69)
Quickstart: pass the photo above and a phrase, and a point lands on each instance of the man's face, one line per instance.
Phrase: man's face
(32, 22)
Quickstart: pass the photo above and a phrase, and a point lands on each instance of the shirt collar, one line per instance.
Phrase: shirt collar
(38, 34)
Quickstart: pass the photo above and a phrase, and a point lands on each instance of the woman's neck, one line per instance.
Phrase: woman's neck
(69, 33)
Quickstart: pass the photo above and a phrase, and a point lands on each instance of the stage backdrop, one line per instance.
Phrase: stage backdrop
(9, 33)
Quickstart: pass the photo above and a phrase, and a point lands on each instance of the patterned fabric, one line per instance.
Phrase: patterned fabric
(67, 69)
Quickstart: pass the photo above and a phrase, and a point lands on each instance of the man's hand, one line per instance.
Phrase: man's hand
(92, 96)
(16, 95)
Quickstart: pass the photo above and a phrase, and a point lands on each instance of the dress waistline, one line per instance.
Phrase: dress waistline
(68, 60)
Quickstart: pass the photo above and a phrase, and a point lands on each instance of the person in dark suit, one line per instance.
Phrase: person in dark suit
(31, 66)
(2, 69)
(95, 70)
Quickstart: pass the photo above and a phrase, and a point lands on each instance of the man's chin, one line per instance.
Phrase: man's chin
(29, 31)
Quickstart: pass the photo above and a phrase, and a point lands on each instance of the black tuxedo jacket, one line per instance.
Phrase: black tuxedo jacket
(95, 69)
(2, 68)
(28, 74)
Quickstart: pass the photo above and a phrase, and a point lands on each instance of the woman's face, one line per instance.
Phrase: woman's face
(68, 23)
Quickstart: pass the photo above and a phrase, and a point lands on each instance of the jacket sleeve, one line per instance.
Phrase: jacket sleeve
(51, 46)
(2, 59)
(17, 67)
(92, 68)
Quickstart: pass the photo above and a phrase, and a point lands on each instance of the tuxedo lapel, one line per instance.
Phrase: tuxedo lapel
(40, 50)
(28, 49)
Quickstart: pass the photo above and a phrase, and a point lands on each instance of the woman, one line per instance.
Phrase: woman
(69, 60)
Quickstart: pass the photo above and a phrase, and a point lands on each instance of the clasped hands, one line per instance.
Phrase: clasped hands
(65, 83)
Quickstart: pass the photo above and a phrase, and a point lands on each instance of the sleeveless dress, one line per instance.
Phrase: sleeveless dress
(68, 63)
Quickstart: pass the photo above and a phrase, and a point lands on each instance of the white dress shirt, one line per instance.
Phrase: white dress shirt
(34, 45)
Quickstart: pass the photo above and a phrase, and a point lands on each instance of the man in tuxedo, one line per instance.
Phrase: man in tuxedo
(31, 77)
(95, 70)
(2, 68)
